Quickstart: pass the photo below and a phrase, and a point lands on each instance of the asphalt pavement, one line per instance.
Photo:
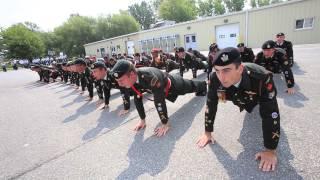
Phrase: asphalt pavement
(48, 131)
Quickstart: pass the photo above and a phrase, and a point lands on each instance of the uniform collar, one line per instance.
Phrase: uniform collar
(280, 44)
(138, 74)
(106, 76)
(245, 81)
(238, 83)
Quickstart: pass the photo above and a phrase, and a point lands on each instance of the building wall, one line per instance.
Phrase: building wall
(263, 24)
(118, 43)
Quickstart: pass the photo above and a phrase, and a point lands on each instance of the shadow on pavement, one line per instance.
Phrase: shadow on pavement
(296, 69)
(83, 110)
(36, 84)
(108, 120)
(152, 154)
(296, 100)
(245, 166)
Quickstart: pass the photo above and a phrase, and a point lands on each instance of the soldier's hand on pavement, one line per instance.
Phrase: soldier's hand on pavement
(104, 107)
(205, 139)
(268, 160)
(162, 130)
(89, 99)
(290, 91)
(140, 125)
(99, 102)
(123, 112)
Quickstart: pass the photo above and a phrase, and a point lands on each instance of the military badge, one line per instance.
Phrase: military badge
(224, 58)
(271, 94)
(274, 115)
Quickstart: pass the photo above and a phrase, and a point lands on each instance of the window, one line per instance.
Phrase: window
(306, 23)
(193, 38)
(221, 36)
(187, 39)
(233, 35)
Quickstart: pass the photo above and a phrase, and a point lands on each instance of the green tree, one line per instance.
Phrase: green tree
(275, 1)
(22, 43)
(263, 2)
(103, 26)
(143, 13)
(260, 3)
(122, 23)
(156, 4)
(253, 3)
(219, 8)
(73, 34)
(50, 41)
(211, 7)
(178, 10)
(234, 5)
(31, 26)
(79, 30)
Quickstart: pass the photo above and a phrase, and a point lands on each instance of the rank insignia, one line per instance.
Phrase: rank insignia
(275, 135)
(250, 92)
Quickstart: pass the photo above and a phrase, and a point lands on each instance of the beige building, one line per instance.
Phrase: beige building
(298, 19)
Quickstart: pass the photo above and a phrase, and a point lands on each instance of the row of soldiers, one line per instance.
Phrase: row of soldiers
(246, 84)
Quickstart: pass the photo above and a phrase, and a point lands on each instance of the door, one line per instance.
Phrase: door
(227, 35)
(130, 48)
(190, 41)
(102, 52)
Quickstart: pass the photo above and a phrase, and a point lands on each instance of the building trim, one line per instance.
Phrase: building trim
(200, 20)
